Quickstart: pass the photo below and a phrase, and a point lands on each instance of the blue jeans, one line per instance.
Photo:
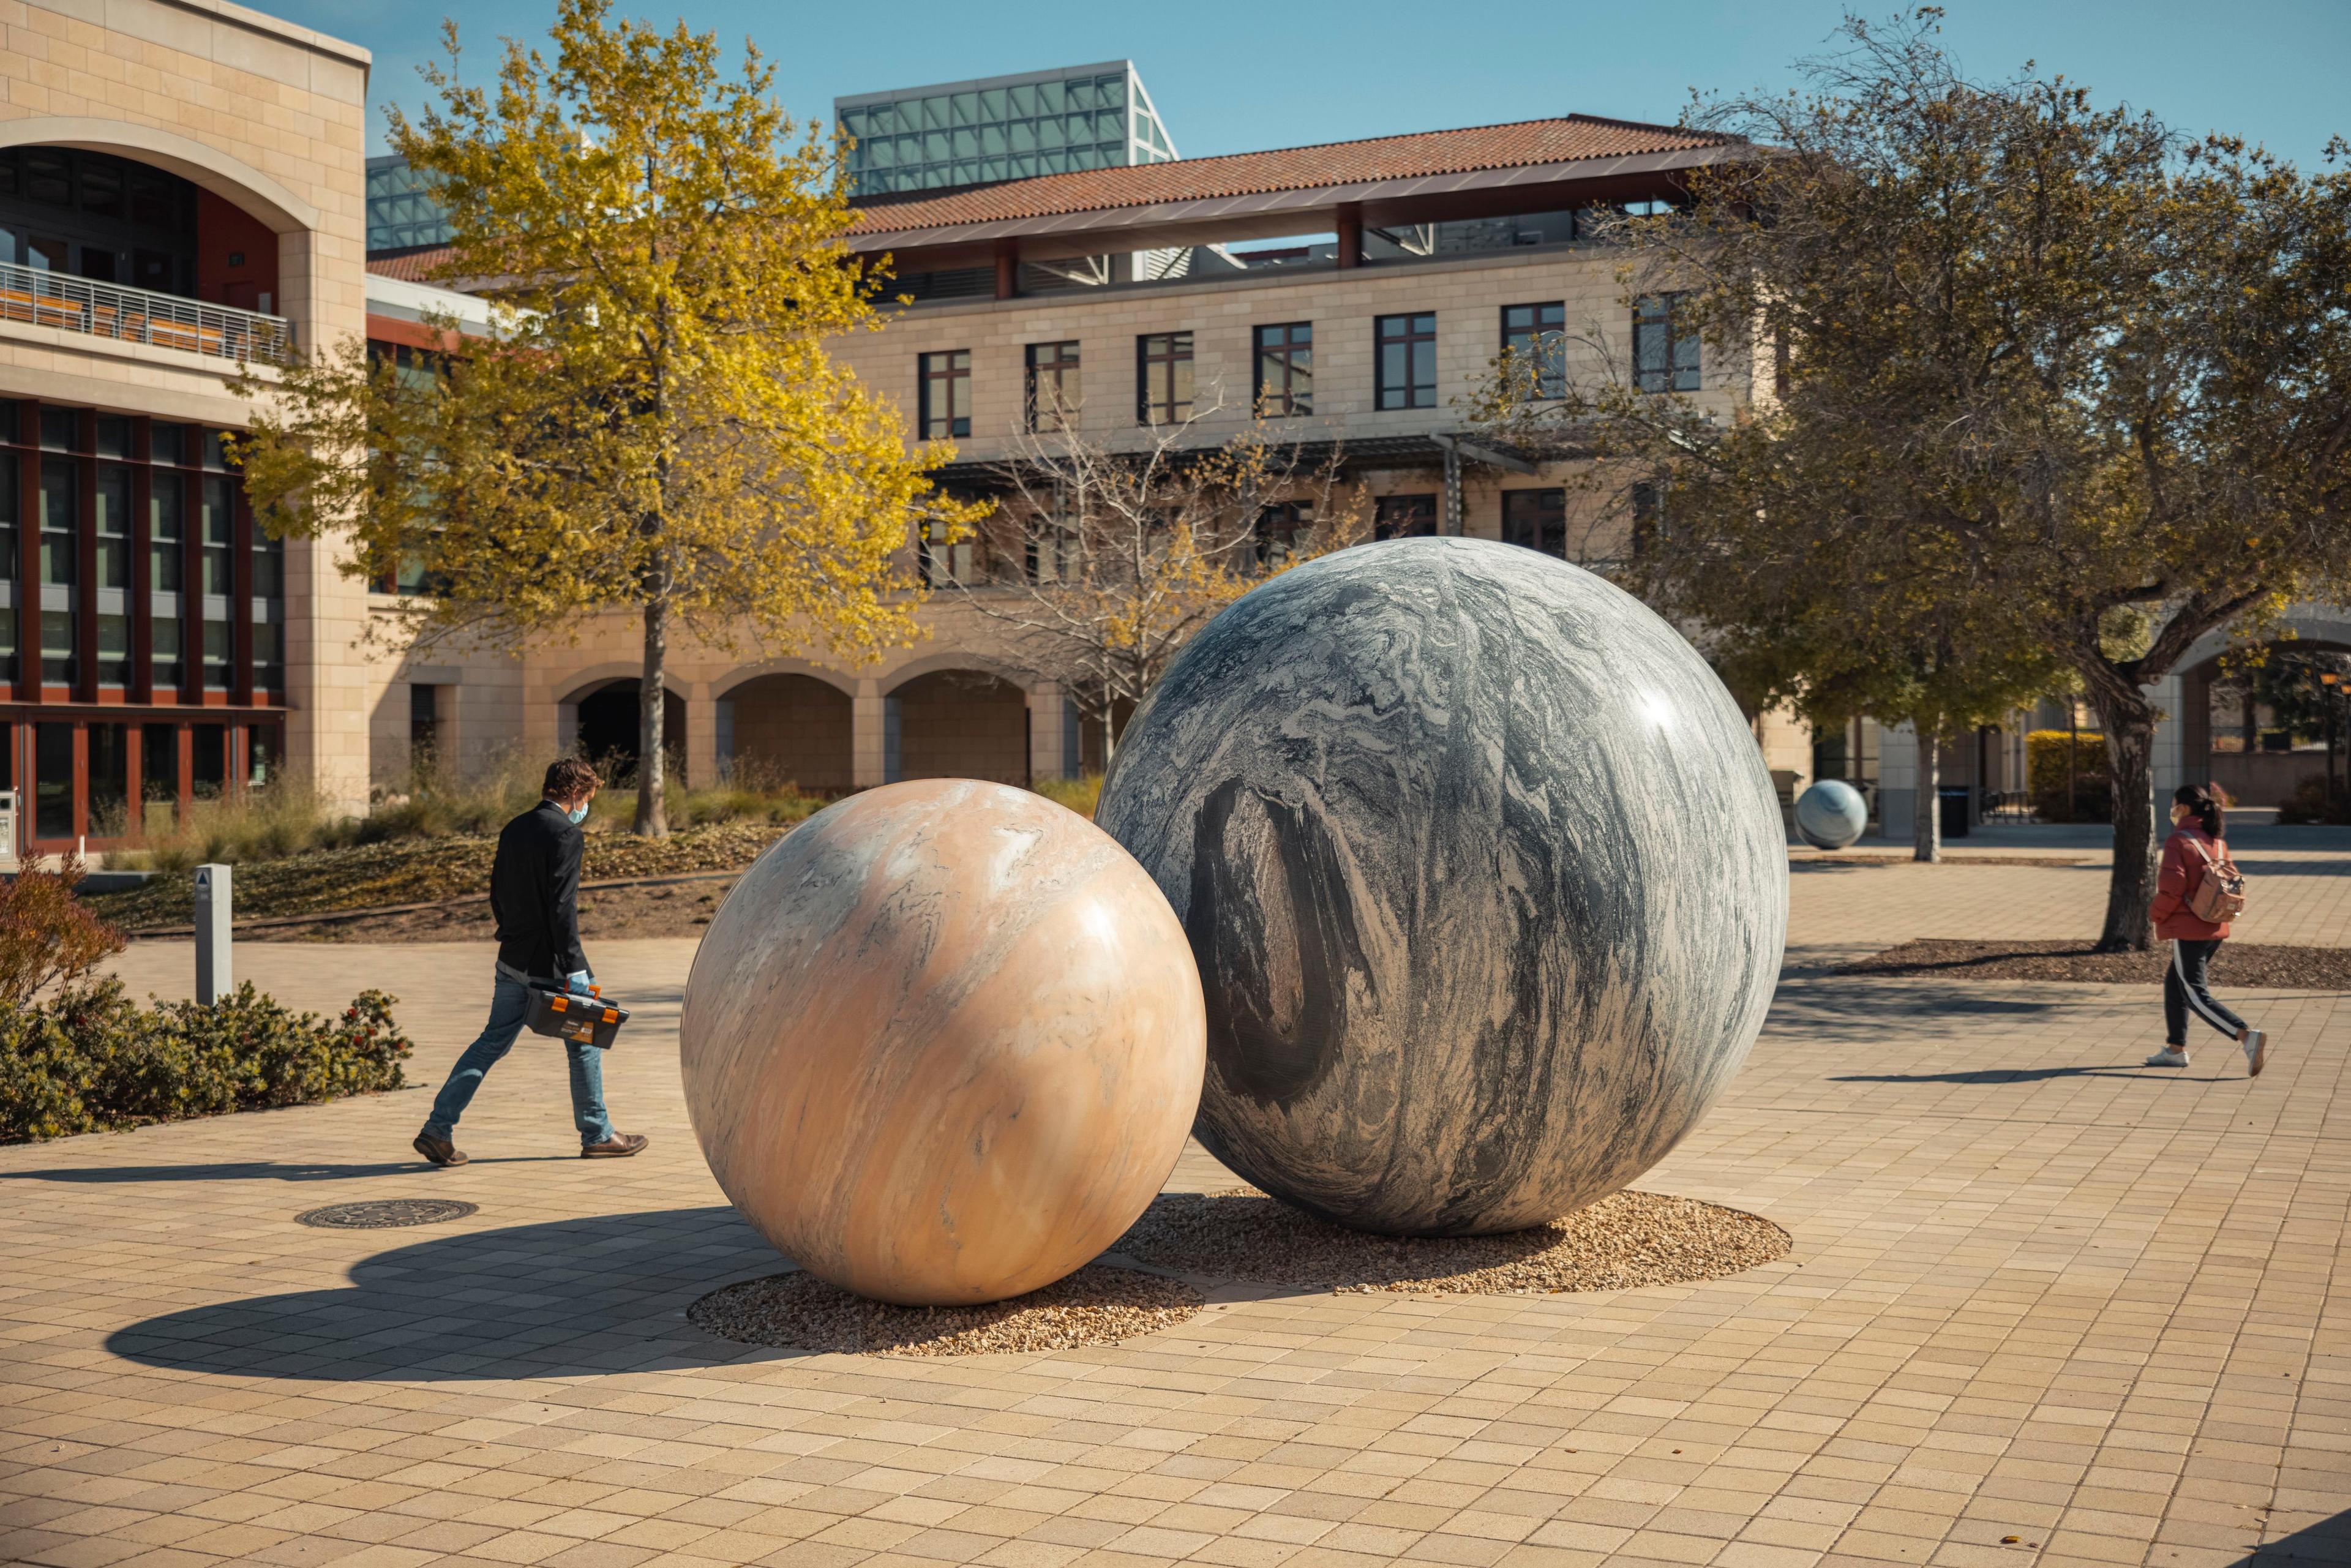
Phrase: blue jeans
(509, 1006)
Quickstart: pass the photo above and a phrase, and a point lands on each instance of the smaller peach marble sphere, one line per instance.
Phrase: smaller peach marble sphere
(944, 1042)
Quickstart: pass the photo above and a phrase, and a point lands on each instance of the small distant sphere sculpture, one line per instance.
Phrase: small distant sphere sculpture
(1483, 872)
(942, 1043)
(1831, 814)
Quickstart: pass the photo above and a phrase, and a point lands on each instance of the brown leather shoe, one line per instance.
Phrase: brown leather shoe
(619, 1147)
(440, 1151)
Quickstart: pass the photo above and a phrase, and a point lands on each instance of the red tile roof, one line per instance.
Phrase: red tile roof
(1570, 139)
(1529, 142)
(408, 266)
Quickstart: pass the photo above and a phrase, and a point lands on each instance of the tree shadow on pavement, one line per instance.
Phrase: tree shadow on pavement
(254, 1170)
(2325, 1541)
(1997, 1075)
(1836, 1006)
(605, 1293)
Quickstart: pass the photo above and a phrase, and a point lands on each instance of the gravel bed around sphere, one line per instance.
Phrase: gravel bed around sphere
(1097, 1305)
(1626, 1241)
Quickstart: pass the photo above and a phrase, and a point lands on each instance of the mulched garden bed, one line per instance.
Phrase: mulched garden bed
(2240, 964)
(418, 871)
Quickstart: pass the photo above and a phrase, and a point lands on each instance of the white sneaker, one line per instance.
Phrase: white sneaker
(2167, 1057)
(2257, 1051)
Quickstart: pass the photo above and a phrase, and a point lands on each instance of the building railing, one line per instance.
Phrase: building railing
(71, 304)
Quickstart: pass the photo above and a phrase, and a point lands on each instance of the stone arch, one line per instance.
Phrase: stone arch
(845, 685)
(597, 717)
(788, 726)
(901, 675)
(2252, 775)
(957, 721)
(230, 178)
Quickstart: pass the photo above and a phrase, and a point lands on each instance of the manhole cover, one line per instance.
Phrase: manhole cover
(386, 1214)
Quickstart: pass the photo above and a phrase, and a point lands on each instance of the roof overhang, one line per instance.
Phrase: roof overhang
(1425, 198)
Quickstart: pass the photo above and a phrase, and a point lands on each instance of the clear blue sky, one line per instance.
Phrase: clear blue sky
(1233, 75)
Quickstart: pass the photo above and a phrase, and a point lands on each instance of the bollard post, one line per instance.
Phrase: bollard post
(211, 933)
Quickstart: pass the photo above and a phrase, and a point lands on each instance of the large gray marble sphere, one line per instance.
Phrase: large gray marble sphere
(1832, 814)
(1483, 872)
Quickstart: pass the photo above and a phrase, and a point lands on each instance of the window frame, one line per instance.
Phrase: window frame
(1068, 378)
(1384, 526)
(1653, 322)
(1549, 526)
(1291, 358)
(945, 372)
(1550, 374)
(1411, 340)
(1180, 352)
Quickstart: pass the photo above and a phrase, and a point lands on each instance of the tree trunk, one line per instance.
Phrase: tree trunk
(1927, 814)
(653, 812)
(2129, 723)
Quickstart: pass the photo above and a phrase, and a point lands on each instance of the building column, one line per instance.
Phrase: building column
(872, 735)
(2171, 763)
(701, 736)
(1047, 731)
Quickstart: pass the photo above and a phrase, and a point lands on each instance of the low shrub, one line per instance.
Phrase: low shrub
(1080, 794)
(90, 1059)
(740, 803)
(2311, 806)
(46, 935)
(2045, 754)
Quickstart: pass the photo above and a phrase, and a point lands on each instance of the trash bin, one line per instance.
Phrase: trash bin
(1954, 807)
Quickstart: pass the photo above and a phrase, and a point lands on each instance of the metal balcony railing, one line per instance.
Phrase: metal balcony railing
(139, 316)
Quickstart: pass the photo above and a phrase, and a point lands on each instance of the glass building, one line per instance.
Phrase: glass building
(400, 210)
(1000, 127)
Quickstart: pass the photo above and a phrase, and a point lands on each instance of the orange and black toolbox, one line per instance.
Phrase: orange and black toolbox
(566, 1015)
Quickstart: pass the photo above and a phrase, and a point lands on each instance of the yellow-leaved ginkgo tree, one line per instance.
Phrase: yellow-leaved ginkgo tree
(653, 426)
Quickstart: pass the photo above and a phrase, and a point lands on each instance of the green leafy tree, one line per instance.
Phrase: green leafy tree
(654, 426)
(2024, 366)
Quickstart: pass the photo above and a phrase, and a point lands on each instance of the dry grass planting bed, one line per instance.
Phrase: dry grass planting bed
(2239, 964)
(1622, 1242)
(1097, 1305)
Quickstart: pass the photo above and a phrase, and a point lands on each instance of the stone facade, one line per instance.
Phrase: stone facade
(269, 118)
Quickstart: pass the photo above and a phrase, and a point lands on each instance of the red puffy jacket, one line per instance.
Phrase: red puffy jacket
(2182, 873)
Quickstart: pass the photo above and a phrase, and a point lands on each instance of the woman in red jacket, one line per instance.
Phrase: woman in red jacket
(2189, 854)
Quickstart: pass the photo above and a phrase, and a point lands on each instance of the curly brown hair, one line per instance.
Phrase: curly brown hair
(567, 779)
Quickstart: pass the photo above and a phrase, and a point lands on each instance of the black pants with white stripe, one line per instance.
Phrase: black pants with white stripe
(2184, 987)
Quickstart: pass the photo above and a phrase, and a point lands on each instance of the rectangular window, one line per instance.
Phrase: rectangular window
(53, 802)
(109, 765)
(59, 558)
(1648, 520)
(940, 563)
(1163, 378)
(114, 528)
(216, 544)
(1281, 528)
(1535, 338)
(945, 394)
(1285, 370)
(8, 542)
(158, 778)
(164, 541)
(1053, 388)
(264, 746)
(1665, 350)
(268, 564)
(1405, 368)
(1537, 519)
(208, 761)
(269, 655)
(423, 726)
(1404, 516)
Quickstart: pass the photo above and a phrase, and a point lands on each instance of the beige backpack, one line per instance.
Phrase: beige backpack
(2220, 895)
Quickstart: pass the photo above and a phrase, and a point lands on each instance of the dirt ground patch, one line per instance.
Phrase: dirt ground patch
(2238, 964)
(1097, 1305)
(606, 914)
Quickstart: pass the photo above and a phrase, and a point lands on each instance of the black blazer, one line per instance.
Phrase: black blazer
(535, 894)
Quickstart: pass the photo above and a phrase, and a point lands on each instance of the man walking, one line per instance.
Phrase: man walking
(534, 894)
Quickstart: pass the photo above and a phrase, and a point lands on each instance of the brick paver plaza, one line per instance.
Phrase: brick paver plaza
(2036, 1292)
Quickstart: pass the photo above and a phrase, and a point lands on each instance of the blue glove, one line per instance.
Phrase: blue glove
(578, 981)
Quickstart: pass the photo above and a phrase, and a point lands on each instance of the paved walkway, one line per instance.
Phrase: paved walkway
(2035, 1293)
